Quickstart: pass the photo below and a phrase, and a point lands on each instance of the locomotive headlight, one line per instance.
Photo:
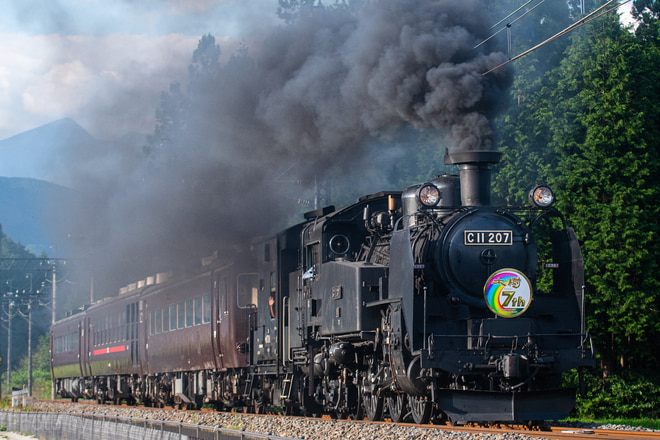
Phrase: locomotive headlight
(429, 195)
(541, 196)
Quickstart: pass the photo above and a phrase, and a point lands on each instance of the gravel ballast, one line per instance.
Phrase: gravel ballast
(281, 426)
(294, 427)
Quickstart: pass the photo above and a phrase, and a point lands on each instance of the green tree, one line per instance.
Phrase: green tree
(41, 379)
(175, 122)
(171, 125)
(205, 60)
(609, 169)
(647, 12)
(596, 115)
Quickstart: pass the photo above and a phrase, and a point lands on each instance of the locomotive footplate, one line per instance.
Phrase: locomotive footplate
(494, 406)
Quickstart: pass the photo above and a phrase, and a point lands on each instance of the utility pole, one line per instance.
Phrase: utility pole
(11, 303)
(321, 194)
(30, 348)
(27, 300)
(53, 301)
(54, 288)
(29, 319)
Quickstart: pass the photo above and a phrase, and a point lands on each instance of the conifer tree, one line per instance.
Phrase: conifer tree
(591, 133)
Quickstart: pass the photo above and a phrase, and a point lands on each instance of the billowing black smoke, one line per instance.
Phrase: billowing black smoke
(302, 105)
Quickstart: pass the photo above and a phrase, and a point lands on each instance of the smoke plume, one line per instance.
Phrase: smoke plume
(301, 105)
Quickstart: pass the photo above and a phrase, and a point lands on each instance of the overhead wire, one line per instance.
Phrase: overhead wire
(522, 6)
(592, 16)
(508, 25)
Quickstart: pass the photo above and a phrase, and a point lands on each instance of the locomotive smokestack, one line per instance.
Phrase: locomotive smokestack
(474, 169)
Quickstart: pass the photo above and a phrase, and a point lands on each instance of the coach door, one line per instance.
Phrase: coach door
(219, 306)
(85, 332)
(132, 315)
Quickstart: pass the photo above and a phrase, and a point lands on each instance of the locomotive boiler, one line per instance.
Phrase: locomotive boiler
(428, 303)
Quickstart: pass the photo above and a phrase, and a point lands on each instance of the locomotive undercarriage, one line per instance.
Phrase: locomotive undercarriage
(499, 392)
(497, 379)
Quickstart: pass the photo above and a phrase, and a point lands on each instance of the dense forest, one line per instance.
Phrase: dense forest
(583, 119)
(581, 115)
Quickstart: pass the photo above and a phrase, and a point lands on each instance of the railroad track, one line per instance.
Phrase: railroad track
(547, 433)
(553, 432)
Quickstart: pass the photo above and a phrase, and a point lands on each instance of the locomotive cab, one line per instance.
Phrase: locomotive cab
(334, 281)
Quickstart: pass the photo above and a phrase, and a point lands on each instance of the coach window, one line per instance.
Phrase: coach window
(189, 313)
(173, 317)
(166, 319)
(223, 294)
(206, 305)
(197, 308)
(181, 315)
(247, 289)
(159, 321)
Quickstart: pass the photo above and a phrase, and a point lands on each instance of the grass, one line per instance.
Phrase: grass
(643, 422)
(237, 424)
(5, 404)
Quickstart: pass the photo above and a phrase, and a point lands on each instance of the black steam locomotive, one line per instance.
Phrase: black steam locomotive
(428, 303)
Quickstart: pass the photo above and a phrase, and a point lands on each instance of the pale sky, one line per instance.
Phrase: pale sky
(104, 63)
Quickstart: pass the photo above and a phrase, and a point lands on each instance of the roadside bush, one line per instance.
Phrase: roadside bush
(622, 395)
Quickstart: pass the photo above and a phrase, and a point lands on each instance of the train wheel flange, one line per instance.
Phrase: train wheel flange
(421, 409)
(373, 406)
(397, 407)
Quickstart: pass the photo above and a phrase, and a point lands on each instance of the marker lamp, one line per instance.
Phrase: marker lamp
(429, 195)
(541, 196)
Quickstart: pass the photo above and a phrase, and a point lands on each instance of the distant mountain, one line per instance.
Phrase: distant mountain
(37, 168)
(30, 211)
(39, 153)
(55, 152)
